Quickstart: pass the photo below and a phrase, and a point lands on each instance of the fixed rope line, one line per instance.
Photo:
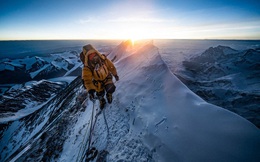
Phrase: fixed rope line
(91, 151)
(83, 147)
(89, 139)
(91, 130)
(104, 115)
(90, 135)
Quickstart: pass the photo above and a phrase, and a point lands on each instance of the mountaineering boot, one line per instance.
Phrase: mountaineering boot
(102, 102)
(109, 97)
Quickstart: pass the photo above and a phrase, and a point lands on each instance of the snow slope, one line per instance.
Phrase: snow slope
(22, 100)
(153, 117)
(174, 121)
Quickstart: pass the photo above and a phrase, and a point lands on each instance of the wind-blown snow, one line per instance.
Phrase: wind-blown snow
(174, 122)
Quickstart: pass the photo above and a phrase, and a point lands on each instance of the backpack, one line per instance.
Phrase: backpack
(100, 72)
(82, 57)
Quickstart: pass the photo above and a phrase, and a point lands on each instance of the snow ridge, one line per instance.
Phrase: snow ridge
(168, 122)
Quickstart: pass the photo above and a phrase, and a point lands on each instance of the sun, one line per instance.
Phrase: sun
(133, 41)
(134, 37)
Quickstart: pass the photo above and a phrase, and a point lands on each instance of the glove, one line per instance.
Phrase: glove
(91, 94)
(117, 78)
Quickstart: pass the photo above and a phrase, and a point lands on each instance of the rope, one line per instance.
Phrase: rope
(85, 135)
(104, 150)
(80, 150)
(104, 115)
(92, 126)
(90, 135)
(103, 153)
(92, 150)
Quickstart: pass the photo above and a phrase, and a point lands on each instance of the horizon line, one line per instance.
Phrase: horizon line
(227, 39)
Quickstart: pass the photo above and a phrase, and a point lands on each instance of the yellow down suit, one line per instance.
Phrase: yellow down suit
(97, 78)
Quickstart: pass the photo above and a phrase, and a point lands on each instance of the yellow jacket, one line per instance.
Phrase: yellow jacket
(88, 74)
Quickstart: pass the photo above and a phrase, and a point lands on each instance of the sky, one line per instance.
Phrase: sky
(129, 19)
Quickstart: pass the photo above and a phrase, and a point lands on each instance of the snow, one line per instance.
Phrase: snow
(14, 64)
(73, 147)
(39, 58)
(67, 79)
(155, 117)
(28, 61)
(31, 107)
(189, 129)
(35, 73)
(15, 87)
(8, 67)
(72, 69)
(60, 65)
(67, 61)
(165, 118)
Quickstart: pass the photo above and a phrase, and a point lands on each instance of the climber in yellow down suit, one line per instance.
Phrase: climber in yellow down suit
(97, 74)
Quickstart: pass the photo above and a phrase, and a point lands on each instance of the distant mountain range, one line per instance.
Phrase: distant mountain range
(37, 68)
(18, 71)
(228, 78)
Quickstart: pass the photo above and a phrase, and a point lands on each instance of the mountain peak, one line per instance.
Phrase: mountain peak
(220, 50)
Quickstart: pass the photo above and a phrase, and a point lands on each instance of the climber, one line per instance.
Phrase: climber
(97, 75)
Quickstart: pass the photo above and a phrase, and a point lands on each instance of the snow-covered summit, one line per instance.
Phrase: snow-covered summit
(173, 121)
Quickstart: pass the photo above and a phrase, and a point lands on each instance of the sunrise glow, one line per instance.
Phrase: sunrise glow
(129, 20)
